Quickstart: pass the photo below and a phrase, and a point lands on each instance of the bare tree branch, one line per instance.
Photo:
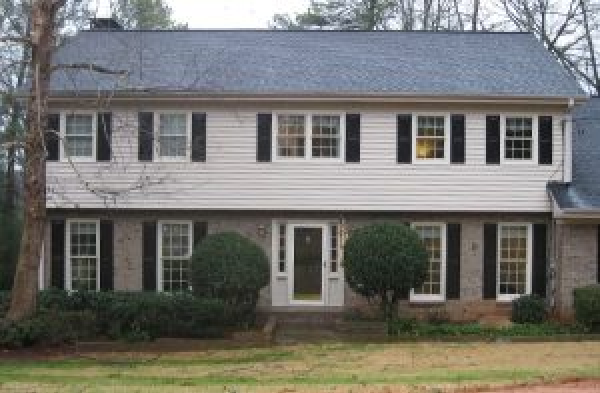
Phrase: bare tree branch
(88, 67)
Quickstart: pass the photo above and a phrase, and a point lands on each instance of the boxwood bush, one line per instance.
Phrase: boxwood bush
(587, 307)
(528, 309)
(230, 267)
(120, 315)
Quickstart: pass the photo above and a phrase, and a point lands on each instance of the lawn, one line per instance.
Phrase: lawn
(328, 367)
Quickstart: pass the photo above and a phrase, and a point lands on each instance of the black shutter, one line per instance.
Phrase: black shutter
(598, 256)
(107, 263)
(457, 139)
(52, 138)
(492, 139)
(149, 256)
(490, 260)
(404, 139)
(352, 137)
(539, 260)
(199, 137)
(145, 136)
(545, 140)
(453, 261)
(57, 253)
(264, 125)
(200, 231)
(103, 136)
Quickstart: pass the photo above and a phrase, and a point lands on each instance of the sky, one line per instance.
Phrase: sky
(209, 14)
(213, 14)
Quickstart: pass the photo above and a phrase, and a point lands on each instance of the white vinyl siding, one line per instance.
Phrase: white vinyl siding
(82, 244)
(232, 179)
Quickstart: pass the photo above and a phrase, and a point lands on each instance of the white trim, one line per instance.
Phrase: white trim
(308, 136)
(159, 241)
(528, 269)
(63, 136)
(415, 125)
(425, 298)
(291, 227)
(188, 136)
(568, 147)
(68, 265)
(534, 138)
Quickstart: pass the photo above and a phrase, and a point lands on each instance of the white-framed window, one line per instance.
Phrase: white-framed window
(79, 136)
(334, 248)
(433, 236)
(281, 247)
(515, 254)
(174, 254)
(82, 244)
(308, 136)
(519, 138)
(173, 135)
(431, 134)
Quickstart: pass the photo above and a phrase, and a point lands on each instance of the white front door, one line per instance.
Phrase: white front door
(306, 264)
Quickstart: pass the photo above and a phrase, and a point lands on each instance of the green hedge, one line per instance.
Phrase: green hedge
(587, 307)
(529, 309)
(121, 315)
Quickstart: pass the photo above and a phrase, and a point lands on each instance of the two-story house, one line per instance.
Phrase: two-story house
(292, 138)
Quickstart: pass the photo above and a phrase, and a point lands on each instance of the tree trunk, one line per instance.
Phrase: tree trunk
(42, 41)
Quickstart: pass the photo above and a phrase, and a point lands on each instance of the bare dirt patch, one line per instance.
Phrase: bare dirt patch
(573, 386)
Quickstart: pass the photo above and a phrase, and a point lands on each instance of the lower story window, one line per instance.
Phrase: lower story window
(514, 260)
(83, 256)
(433, 237)
(175, 248)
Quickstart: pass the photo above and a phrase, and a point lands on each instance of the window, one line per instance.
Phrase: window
(433, 236)
(79, 136)
(173, 130)
(325, 136)
(308, 136)
(83, 266)
(175, 251)
(282, 252)
(514, 261)
(430, 138)
(334, 248)
(518, 138)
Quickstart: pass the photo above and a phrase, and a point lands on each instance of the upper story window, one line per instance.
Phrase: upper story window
(83, 256)
(79, 136)
(308, 136)
(173, 135)
(518, 138)
(433, 237)
(430, 138)
(514, 260)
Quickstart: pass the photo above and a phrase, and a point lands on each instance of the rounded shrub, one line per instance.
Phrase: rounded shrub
(230, 267)
(383, 262)
(528, 309)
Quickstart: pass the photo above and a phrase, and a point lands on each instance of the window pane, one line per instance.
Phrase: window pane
(282, 248)
(79, 135)
(325, 136)
(172, 135)
(430, 141)
(334, 247)
(518, 139)
(175, 256)
(291, 135)
(512, 265)
(431, 236)
(83, 255)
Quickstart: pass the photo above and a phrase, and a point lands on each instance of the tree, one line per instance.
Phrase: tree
(383, 262)
(144, 14)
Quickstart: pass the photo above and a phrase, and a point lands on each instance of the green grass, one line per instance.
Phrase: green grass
(309, 367)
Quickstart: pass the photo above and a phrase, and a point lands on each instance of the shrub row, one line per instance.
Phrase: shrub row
(587, 307)
(65, 317)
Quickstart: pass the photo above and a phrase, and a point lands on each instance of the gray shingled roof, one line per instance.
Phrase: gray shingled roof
(316, 62)
(584, 191)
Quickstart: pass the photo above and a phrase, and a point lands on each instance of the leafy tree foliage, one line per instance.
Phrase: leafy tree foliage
(383, 262)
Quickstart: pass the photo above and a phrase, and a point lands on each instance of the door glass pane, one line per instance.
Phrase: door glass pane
(308, 259)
